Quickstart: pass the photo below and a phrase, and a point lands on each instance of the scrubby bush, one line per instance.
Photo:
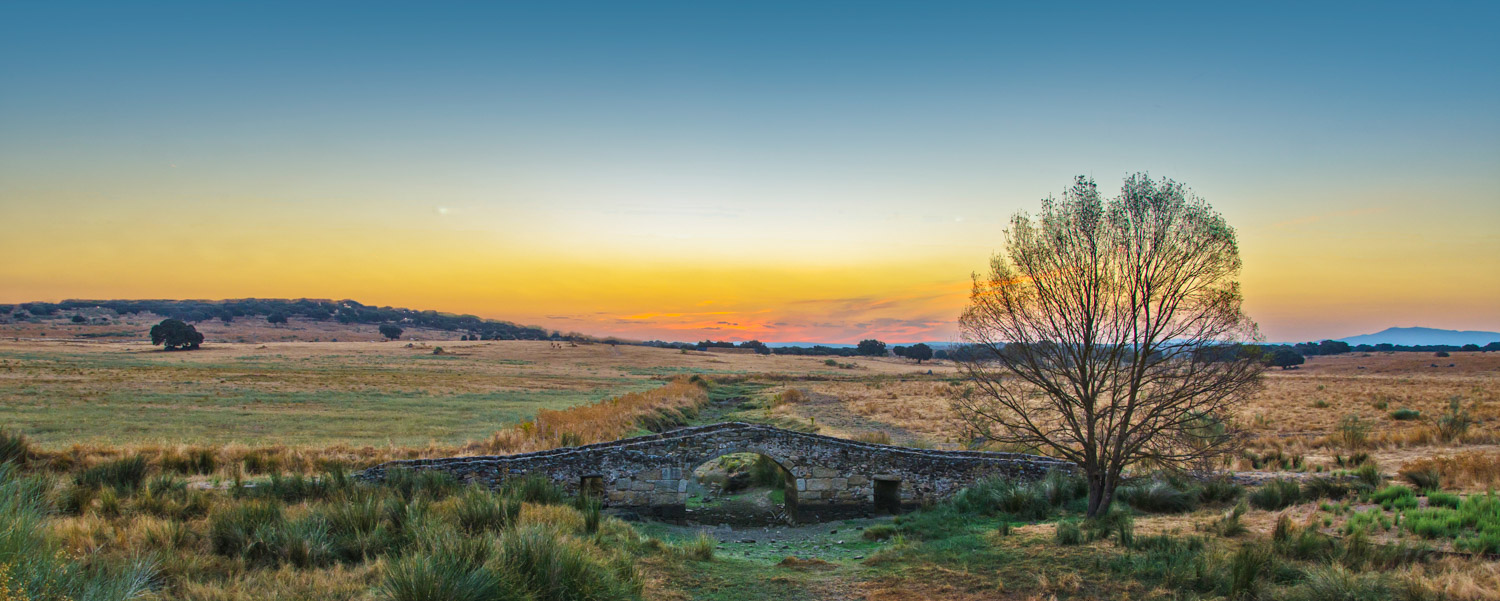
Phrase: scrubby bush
(1406, 414)
(1395, 497)
(1276, 494)
(1443, 499)
(1217, 491)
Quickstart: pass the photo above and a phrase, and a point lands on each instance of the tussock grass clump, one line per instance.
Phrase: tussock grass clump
(533, 488)
(1068, 533)
(1158, 496)
(1324, 487)
(35, 566)
(1423, 478)
(14, 448)
(1276, 495)
(410, 484)
(873, 437)
(126, 474)
(553, 568)
(1218, 491)
(610, 419)
(477, 510)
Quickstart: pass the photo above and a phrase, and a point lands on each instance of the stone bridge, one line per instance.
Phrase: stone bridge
(828, 478)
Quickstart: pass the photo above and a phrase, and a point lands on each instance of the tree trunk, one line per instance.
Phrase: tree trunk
(1101, 493)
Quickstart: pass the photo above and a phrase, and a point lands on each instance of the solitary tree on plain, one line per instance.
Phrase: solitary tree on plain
(871, 347)
(175, 334)
(1100, 333)
(276, 318)
(391, 331)
(1286, 358)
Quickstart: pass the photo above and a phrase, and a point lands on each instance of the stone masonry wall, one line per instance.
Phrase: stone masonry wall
(833, 477)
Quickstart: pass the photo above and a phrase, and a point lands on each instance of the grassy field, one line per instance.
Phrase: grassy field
(200, 422)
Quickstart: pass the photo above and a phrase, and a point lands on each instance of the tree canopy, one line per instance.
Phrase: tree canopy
(175, 334)
(391, 331)
(1097, 334)
(871, 348)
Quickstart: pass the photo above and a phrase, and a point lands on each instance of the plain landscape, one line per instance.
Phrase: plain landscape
(280, 415)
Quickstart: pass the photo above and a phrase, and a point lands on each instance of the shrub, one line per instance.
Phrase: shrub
(1454, 422)
(1395, 497)
(1406, 414)
(1443, 499)
(1368, 476)
(1068, 533)
(195, 461)
(125, 474)
(1158, 496)
(1353, 432)
(1276, 494)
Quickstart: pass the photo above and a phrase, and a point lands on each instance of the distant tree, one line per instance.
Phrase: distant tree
(79, 319)
(1470, 348)
(1333, 347)
(941, 354)
(1440, 354)
(226, 317)
(871, 348)
(919, 351)
(1285, 358)
(760, 347)
(899, 351)
(175, 334)
(390, 330)
(276, 318)
(1493, 346)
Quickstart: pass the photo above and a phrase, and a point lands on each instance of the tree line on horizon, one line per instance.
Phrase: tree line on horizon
(281, 311)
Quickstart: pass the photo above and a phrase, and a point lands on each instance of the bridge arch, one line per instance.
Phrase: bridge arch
(832, 477)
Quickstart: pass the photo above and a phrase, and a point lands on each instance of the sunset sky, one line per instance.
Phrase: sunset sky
(780, 171)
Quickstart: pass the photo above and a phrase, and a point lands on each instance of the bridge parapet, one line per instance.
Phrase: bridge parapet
(830, 477)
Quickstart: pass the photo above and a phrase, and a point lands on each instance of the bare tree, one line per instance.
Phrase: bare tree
(1108, 333)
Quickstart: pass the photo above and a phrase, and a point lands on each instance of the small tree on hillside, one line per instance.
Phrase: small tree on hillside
(277, 318)
(175, 334)
(1093, 333)
(871, 348)
(919, 351)
(390, 330)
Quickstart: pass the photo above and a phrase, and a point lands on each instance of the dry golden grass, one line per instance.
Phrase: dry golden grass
(1469, 470)
(610, 419)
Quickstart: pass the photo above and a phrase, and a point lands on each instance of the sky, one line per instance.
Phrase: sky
(779, 171)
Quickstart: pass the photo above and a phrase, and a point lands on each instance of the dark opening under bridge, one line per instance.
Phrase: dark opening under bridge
(829, 477)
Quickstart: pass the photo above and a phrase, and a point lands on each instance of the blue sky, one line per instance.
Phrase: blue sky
(585, 160)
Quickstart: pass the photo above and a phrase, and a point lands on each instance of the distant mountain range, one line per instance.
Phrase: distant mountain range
(1424, 336)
